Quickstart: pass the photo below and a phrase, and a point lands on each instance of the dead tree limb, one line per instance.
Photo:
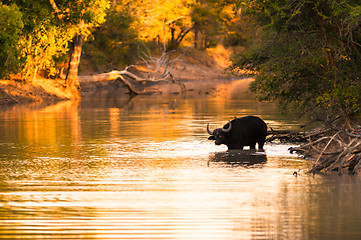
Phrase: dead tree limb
(113, 75)
(158, 67)
(158, 71)
(132, 81)
(319, 156)
(329, 149)
(285, 136)
(332, 151)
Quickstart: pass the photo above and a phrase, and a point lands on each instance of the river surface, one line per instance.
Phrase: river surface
(110, 167)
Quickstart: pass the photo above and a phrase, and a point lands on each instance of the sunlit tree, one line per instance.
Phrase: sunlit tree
(79, 17)
(173, 23)
(49, 27)
(162, 21)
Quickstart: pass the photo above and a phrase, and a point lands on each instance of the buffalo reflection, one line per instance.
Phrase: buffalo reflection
(239, 158)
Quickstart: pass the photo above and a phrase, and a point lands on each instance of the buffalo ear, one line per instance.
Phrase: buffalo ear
(211, 138)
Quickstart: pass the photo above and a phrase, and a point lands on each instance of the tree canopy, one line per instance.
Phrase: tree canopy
(309, 54)
(10, 29)
(167, 24)
(41, 30)
(38, 35)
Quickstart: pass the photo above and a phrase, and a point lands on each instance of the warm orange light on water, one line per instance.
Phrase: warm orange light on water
(143, 168)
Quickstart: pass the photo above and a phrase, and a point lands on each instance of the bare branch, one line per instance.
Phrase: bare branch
(313, 168)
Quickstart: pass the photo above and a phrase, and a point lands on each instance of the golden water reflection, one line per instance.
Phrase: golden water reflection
(143, 168)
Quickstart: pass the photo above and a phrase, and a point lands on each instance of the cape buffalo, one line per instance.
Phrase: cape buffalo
(240, 132)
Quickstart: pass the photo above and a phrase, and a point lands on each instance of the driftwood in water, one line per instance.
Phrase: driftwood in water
(131, 80)
(136, 83)
(286, 136)
(158, 71)
(331, 150)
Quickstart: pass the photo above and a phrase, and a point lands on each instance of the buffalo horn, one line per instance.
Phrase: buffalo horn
(209, 131)
(228, 129)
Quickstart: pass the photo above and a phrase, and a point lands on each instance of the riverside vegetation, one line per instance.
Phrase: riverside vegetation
(69, 39)
(309, 57)
(304, 55)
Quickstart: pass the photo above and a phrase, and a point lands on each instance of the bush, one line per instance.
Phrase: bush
(309, 55)
(11, 25)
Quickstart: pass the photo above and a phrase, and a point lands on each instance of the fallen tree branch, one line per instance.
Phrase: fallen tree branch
(286, 136)
(332, 151)
(114, 75)
(158, 71)
(319, 156)
(136, 84)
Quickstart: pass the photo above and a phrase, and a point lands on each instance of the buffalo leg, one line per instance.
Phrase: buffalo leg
(260, 145)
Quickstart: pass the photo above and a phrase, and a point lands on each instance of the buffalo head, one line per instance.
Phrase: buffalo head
(219, 134)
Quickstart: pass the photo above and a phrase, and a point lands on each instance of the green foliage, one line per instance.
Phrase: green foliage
(241, 31)
(206, 25)
(114, 43)
(309, 54)
(41, 47)
(46, 30)
(173, 24)
(36, 35)
(11, 25)
(213, 21)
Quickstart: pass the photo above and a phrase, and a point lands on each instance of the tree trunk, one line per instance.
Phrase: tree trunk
(196, 31)
(172, 43)
(72, 81)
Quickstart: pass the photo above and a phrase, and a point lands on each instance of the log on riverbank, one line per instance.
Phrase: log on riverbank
(330, 150)
(135, 82)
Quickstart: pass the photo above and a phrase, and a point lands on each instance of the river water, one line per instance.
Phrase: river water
(110, 167)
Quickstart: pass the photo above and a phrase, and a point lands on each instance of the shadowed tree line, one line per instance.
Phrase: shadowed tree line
(308, 56)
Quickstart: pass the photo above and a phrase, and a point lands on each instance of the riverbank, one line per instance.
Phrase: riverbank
(40, 90)
(198, 73)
